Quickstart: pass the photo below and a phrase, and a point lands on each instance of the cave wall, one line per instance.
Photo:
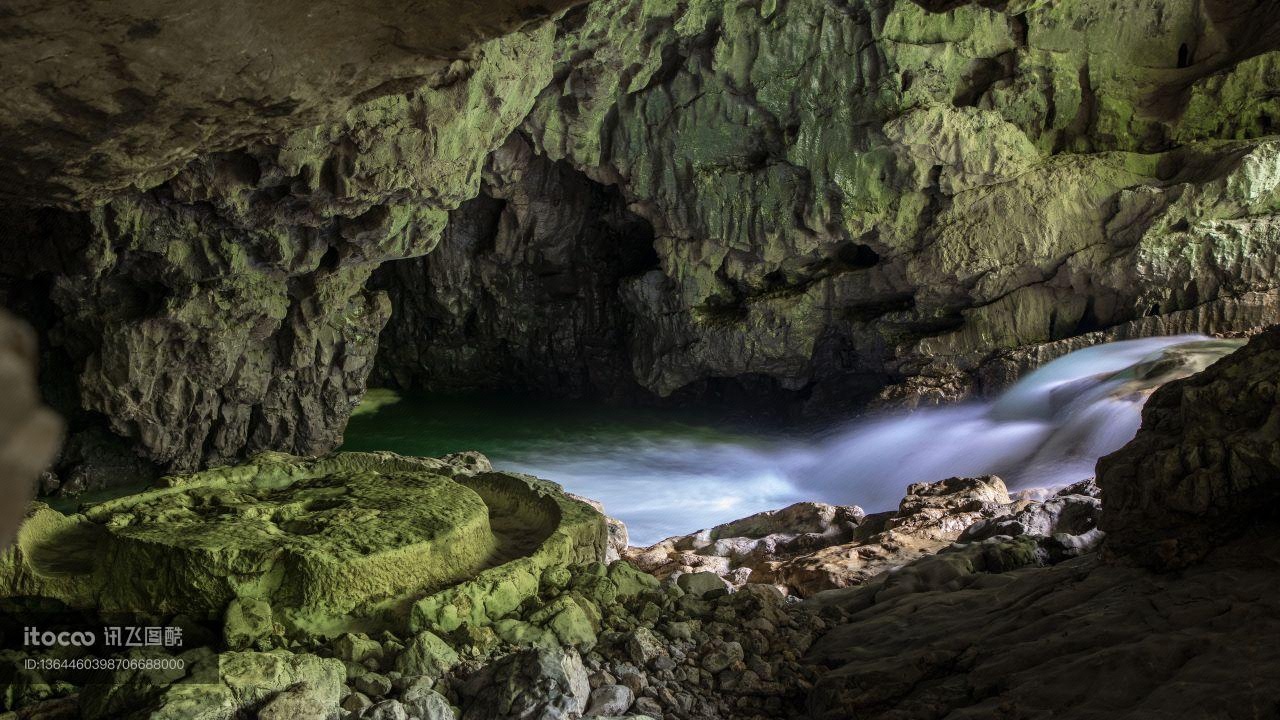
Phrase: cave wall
(225, 310)
(848, 188)
(521, 295)
(844, 197)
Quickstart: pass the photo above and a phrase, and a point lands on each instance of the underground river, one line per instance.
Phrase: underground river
(667, 473)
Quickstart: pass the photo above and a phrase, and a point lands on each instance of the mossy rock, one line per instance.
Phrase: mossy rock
(343, 543)
(572, 533)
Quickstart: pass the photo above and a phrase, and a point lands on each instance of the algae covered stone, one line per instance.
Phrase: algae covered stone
(426, 654)
(247, 623)
(312, 545)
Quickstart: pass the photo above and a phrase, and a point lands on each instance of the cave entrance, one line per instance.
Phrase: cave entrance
(521, 295)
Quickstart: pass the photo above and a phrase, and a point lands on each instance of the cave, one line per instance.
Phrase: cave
(799, 360)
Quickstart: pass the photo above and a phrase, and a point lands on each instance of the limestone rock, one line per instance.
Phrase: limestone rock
(299, 703)
(310, 546)
(425, 703)
(811, 547)
(130, 117)
(357, 648)
(522, 291)
(426, 654)
(1204, 466)
(533, 684)
(246, 623)
(385, 710)
(687, 200)
(1059, 515)
(610, 701)
(970, 643)
(699, 584)
(224, 309)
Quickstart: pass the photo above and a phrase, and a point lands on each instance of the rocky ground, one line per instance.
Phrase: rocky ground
(962, 603)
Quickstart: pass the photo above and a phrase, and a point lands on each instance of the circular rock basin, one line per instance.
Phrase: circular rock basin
(352, 540)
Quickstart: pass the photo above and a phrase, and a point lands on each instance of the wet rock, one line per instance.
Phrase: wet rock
(1059, 515)
(800, 518)
(835, 547)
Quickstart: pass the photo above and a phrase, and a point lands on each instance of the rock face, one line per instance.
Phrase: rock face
(999, 623)
(224, 311)
(814, 199)
(1078, 640)
(854, 194)
(1204, 467)
(29, 433)
(522, 293)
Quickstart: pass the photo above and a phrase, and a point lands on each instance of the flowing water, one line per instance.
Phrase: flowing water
(668, 473)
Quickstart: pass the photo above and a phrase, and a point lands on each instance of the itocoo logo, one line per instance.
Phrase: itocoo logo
(32, 637)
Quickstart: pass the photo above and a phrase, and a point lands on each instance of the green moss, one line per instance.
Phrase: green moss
(571, 532)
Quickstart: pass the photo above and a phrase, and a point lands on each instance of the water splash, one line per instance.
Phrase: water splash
(1046, 431)
(666, 475)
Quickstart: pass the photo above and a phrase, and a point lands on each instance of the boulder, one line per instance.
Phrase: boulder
(700, 584)
(423, 702)
(529, 685)
(297, 703)
(610, 701)
(1204, 466)
(426, 654)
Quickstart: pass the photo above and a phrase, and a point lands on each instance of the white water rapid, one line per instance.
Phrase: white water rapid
(663, 476)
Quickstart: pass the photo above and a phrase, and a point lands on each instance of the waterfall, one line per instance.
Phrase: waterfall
(1046, 431)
